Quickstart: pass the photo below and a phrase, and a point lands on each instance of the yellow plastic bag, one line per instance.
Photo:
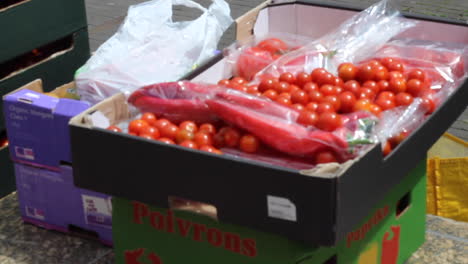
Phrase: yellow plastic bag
(447, 178)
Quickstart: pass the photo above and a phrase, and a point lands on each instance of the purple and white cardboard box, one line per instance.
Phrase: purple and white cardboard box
(49, 199)
(37, 127)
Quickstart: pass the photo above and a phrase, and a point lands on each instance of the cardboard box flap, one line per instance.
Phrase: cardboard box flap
(245, 23)
(35, 86)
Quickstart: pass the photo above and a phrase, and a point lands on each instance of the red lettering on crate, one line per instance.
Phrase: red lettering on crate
(166, 222)
(391, 247)
(361, 232)
(134, 256)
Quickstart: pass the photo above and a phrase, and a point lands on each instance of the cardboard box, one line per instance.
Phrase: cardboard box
(39, 22)
(7, 177)
(50, 200)
(392, 231)
(307, 206)
(37, 124)
(55, 70)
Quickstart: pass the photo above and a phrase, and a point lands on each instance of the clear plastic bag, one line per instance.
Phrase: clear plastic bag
(150, 48)
(352, 41)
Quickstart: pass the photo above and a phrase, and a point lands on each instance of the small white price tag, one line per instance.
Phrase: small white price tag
(281, 208)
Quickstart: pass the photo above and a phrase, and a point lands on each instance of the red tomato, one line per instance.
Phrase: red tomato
(375, 109)
(365, 92)
(362, 105)
(166, 140)
(299, 97)
(371, 85)
(395, 74)
(312, 106)
(210, 149)
(267, 84)
(396, 140)
(325, 157)
(366, 72)
(396, 66)
(352, 86)
(415, 87)
(325, 107)
(333, 100)
(182, 135)
(169, 131)
(281, 87)
(381, 74)
(224, 82)
(273, 45)
(428, 104)
(385, 104)
(287, 77)
(293, 88)
(285, 95)
(387, 149)
(231, 137)
(251, 61)
(283, 100)
(318, 74)
(327, 78)
(398, 85)
(136, 126)
(403, 99)
(111, 128)
(328, 89)
(147, 136)
(151, 131)
(249, 143)
(189, 126)
(329, 121)
(150, 118)
(307, 118)
(203, 138)
(383, 85)
(238, 80)
(309, 87)
(189, 144)
(315, 96)
(417, 74)
(298, 107)
(207, 128)
(347, 99)
(160, 123)
(302, 78)
(338, 82)
(374, 63)
(218, 140)
(386, 95)
(252, 89)
(239, 87)
(387, 61)
(347, 71)
(338, 89)
(272, 94)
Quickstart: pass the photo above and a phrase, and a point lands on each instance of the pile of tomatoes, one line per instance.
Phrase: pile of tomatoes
(206, 137)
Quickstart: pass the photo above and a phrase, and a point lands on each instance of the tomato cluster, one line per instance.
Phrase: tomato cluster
(206, 137)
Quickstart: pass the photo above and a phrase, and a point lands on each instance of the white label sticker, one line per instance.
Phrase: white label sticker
(98, 119)
(281, 208)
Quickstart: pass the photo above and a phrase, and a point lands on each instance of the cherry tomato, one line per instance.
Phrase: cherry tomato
(417, 74)
(299, 97)
(298, 107)
(251, 61)
(328, 89)
(203, 138)
(347, 99)
(189, 126)
(333, 100)
(189, 144)
(397, 85)
(147, 136)
(293, 88)
(365, 92)
(224, 82)
(403, 99)
(396, 140)
(371, 85)
(231, 137)
(249, 143)
(166, 140)
(374, 63)
(362, 105)
(283, 100)
(113, 128)
(238, 80)
(239, 87)
(385, 104)
(160, 123)
(151, 131)
(365, 72)
(315, 96)
(281, 87)
(428, 104)
(267, 84)
(273, 45)
(347, 71)
(326, 78)
(285, 95)
(325, 107)
(415, 87)
(182, 135)
(257, 94)
(325, 157)
(396, 66)
(317, 74)
(207, 128)
(387, 61)
(352, 86)
(395, 74)
(338, 82)
(307, 118)
(136, 126)
(210, 149)
(338, 89)
(381, 74)
(312, 106)
(218, 140)
(309, 87)
(329, 121)
(150, 118)
(272, 94)
(252, 89)
(302, 78)
(383, 85)
(387, 149)
(169, 131)
(287, 77)
(375, 109)
(386, 95)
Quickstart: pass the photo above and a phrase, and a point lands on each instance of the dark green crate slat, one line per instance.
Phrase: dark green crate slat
(38, 22)
(54, 72)
(7, 177)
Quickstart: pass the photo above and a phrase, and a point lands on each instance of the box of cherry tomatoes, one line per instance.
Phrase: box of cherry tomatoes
(299, 128)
